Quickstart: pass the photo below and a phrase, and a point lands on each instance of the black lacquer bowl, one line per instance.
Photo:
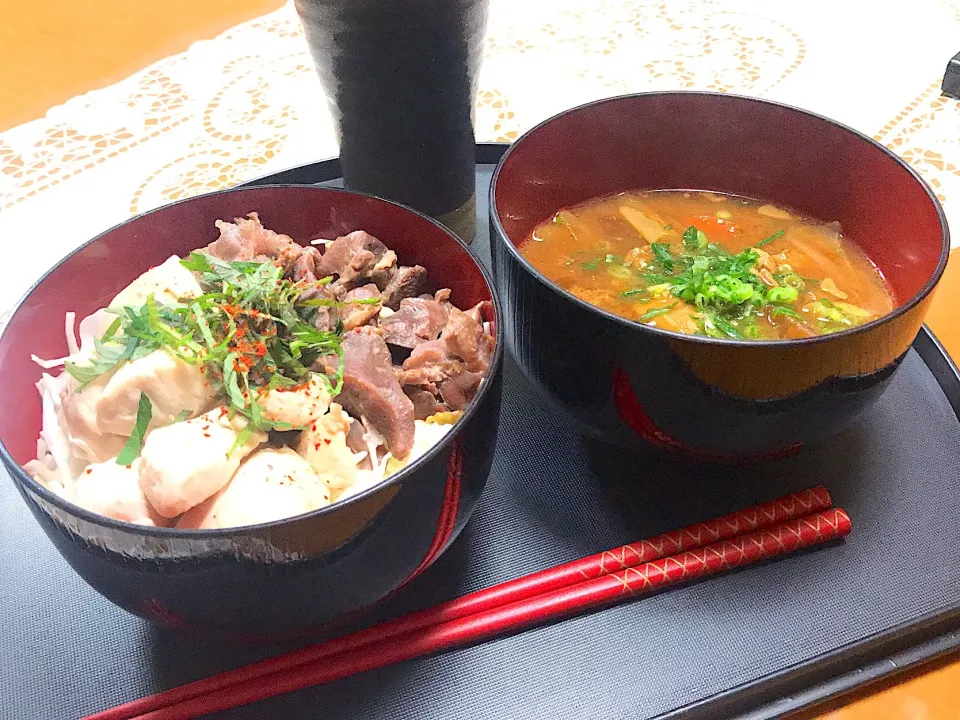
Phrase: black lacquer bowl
(262, 580)
(715, 399)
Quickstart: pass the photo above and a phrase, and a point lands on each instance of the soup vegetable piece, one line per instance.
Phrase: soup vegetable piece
(255, 380)
(708, 264)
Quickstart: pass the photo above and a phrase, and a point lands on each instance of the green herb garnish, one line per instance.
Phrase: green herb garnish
(250, 331)
(131, 451)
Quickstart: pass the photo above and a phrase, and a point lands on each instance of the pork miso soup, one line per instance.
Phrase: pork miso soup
(707, 264)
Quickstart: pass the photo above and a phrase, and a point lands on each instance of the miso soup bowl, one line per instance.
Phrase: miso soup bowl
(275, 579)
(714, 399)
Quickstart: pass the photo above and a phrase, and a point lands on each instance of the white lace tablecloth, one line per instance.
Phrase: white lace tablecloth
(248, 102)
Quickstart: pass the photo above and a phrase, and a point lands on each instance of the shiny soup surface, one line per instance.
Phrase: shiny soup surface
(702, 263)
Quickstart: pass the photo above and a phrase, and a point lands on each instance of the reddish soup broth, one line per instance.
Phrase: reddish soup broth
(708, 264)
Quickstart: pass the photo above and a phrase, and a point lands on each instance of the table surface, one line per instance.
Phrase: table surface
(215, 113)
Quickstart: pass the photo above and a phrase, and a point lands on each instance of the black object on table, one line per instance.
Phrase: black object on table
(951, 79)
(752, 644)
(401, 79)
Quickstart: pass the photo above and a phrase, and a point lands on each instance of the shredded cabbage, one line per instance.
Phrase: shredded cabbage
(56, 465)
(92, 327)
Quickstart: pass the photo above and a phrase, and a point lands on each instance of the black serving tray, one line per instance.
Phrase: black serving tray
(752, 644)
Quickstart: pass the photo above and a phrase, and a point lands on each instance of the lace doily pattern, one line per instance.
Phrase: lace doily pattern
(927, 135)
(592, 53)
(92, 130)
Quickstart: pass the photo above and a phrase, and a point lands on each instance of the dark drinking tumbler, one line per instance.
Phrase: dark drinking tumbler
(401, 79)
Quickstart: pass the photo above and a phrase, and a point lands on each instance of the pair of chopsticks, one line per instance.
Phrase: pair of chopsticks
(766, 531)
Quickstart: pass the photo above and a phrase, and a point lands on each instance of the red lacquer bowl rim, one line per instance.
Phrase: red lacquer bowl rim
(898, 311)
(18, 474)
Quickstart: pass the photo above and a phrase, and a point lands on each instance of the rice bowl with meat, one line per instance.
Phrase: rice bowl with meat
(255, 380)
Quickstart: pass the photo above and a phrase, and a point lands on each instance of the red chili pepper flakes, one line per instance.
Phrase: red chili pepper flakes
(316, 446)
(327, 440)
(129, 467)
(89, 471)
(206, 434)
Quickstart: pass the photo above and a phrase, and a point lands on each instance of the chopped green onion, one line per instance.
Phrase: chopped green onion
(778, 234)
(726, 328)
(792, 280)
(656, 312)
(694, 239)
(782, 295)
(781, 310)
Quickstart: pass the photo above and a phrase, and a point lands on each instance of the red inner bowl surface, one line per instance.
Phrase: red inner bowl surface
(89, 278)
(731, 144)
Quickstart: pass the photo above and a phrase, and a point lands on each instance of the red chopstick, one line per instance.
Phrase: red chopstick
(600, 591)
(785, 508)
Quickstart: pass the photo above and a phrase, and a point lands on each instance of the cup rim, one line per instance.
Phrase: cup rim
(897, 312)
(19, 475)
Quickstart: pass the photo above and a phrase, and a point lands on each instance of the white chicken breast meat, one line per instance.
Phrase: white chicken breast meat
(183, 464)
(299, 405)
(172, 385)
(324, 446)
(114, 491)
(272, 484)
(167, 282)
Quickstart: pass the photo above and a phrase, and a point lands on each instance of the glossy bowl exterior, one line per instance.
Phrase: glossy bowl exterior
(716, 399)
(262, 580)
